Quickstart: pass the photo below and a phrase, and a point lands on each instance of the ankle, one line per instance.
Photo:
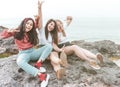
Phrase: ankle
(38, 64)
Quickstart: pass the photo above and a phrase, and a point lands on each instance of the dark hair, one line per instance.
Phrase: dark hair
(32, 34)
(53, 33)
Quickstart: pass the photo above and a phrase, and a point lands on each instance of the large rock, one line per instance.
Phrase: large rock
(78, 72)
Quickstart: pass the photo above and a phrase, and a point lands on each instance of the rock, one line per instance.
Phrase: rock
(78, 72)
(2, 50)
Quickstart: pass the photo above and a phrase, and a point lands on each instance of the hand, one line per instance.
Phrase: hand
(13, 30)
(40, 2)
(63, 48)
(69, 17)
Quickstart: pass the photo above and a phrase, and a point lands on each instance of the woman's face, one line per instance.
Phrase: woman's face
(51, 26)
(60, 26)
(28, 25)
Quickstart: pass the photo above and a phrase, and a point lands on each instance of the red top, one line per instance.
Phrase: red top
(21, 44)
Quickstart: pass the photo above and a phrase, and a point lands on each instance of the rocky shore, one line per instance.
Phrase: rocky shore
(78, 72)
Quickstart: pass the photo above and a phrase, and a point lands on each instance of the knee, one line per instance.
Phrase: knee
(74, 46)
(55, 60)
(19, 61)
(49, 46)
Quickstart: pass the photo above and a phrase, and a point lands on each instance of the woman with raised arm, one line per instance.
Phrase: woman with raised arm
(54, 58)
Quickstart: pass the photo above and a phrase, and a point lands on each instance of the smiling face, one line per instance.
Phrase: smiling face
(60, 25)
(28, 25)
(51, 26)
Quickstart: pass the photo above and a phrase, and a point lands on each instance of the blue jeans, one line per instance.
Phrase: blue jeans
(25, 56)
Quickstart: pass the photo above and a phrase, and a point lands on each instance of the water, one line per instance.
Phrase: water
(95, 29)
(89, 29)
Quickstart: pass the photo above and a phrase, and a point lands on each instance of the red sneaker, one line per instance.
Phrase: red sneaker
(44, 79)
(42, 76)
(38, 65)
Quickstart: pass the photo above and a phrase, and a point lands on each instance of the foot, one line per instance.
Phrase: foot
(38, 65)
(44, 79)
(63, 58)
(100, 58)
(60, 73)
(94, 65)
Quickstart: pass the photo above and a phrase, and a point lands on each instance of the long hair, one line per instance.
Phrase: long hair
(53, 33)
(63, 31)
(32, 34)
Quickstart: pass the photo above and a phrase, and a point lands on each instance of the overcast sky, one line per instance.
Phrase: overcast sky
(81, 8)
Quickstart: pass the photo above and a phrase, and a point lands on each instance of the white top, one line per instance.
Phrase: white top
(42, 38)
(61, 37)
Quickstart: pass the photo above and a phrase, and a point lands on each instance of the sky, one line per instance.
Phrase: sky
(56, 8)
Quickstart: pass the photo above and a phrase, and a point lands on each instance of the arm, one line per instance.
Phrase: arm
(56, 48)
(40, 14)
(8, 33)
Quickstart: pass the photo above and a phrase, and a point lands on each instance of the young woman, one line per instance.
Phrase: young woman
(73, 48)
(54, 58)
(26, 38)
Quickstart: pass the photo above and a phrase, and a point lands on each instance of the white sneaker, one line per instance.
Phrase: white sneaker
(44, 83)
(42, 70)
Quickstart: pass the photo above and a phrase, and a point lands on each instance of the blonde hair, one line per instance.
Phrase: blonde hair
(63, 31)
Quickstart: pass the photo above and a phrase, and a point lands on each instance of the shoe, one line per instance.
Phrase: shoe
(20, 70)
(100, 58)
(38, 65)
(42, 70)
(94, 65)
(63, 58)
(60, 73)
(44, 83)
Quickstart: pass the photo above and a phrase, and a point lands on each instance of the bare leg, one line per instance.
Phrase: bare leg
(76, 50)
(80, 53)
(83, 53)
(55, 61)
(89, 54)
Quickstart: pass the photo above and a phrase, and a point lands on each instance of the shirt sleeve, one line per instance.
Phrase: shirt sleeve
(6, 34)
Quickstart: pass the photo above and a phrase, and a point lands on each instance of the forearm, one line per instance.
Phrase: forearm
(6, 33)
(56, 48)
(40, 22)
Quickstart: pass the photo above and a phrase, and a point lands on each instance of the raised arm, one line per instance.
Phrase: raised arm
(40, 22)
(8, 33)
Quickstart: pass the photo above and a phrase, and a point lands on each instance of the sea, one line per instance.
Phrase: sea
(83, 28)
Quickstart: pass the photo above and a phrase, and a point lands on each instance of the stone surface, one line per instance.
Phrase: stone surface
(78, 72)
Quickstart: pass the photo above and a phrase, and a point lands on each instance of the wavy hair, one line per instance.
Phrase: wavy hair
(32, 34)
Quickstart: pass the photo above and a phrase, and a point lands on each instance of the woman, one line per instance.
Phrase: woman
(54, 58)
(64, 41)
(26, 38)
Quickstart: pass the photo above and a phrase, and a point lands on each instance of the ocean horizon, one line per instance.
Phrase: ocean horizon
(83, 28)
